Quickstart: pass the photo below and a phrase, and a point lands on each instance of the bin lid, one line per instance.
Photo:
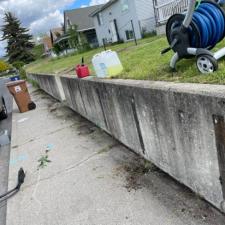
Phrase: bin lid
(13, 83)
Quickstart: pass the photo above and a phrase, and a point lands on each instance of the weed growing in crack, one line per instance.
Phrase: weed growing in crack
(44, 160)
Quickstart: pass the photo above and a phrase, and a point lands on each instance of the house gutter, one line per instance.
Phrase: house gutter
(105, 6)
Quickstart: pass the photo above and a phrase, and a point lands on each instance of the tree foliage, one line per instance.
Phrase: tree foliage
(4, 66)
(77, 40)
(38, 51)
(73, 37)
(19, 44)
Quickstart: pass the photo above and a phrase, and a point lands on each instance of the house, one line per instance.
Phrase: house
(122, 20)
(85, 24)
(56, 34)
(47, 43)
(165, 9)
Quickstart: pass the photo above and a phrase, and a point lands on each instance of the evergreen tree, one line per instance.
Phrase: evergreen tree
(19, 44)
(73, 37)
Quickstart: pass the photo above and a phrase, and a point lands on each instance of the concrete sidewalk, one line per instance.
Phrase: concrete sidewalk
(91, 179)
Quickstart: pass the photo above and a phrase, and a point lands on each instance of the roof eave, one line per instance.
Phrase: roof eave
(86, 29)
(105, 6)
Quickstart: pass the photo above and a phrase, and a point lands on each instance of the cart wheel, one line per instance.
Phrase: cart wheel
(207, 64)
(3, 113)
(31, 106)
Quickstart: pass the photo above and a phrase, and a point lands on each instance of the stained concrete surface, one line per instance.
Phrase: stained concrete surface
(91, 179)
(167, 123)
(5, 150)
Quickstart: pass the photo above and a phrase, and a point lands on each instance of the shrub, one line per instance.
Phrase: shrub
(57, 49)
(18, 65)
(23, 74)
(4, 66)
(149, 34)
(38, 51)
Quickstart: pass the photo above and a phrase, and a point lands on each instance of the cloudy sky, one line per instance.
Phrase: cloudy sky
(40, 15)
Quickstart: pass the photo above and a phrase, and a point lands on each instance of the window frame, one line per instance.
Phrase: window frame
(125, 5)
(129, 34)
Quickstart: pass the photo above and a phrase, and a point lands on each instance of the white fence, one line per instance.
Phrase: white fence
(165, 10)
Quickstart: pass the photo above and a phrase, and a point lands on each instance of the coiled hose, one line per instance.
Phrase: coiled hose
(209, 20)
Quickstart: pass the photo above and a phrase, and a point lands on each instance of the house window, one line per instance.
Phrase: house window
(125, 5)
(129, 34)
(99, 18)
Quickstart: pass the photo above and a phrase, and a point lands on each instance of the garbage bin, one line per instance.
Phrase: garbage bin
(21, 95)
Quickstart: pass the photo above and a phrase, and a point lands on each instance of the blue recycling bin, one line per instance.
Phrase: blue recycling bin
(15, 78)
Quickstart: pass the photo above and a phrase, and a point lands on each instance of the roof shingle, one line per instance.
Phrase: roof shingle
(80, 17)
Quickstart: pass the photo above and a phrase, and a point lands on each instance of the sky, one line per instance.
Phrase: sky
(39, 16)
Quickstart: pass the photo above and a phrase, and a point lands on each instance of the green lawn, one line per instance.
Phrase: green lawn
(142, 62)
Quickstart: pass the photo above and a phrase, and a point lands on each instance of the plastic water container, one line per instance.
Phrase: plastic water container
(112, 62)
(99, 66)
(107, 63)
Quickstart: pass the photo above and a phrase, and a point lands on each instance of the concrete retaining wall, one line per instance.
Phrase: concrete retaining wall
(178, 127)
(50, 84)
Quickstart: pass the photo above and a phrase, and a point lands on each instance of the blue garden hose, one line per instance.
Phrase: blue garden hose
(210, 21)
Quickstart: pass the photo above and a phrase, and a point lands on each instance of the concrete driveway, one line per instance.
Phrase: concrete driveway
(78, 175)
(5, 150)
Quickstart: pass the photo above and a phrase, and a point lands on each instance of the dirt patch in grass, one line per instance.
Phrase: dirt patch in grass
(70, 70)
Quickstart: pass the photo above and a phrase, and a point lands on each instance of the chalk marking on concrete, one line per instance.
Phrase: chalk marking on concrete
(22, 120)
(34, 192)
(71, 167)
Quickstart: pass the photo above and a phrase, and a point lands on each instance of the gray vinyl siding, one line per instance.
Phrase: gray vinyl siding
(141, 12)
(145, 14)
(144, 9)
(123, 21)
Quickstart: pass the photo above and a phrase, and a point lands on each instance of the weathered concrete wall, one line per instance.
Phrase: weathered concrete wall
(178, 127)
(50, 84)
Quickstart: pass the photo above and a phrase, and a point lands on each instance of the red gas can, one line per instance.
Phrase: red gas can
(82, 71)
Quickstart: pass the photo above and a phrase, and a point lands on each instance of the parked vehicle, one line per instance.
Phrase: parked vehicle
(3, 109)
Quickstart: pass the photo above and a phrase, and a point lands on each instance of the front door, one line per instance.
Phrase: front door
(113, 31)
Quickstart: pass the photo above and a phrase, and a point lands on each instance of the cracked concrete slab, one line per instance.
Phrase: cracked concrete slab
(91, 179)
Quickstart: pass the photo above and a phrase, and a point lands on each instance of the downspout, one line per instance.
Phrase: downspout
(117, 32)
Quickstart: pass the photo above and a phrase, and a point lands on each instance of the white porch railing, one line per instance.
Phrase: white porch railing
(165, 10)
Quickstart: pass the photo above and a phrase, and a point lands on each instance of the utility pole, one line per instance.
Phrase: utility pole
(132, 25)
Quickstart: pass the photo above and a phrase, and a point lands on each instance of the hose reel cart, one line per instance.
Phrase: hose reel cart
(196, 33)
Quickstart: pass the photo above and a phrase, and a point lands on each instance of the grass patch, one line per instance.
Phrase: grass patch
(142, 62)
